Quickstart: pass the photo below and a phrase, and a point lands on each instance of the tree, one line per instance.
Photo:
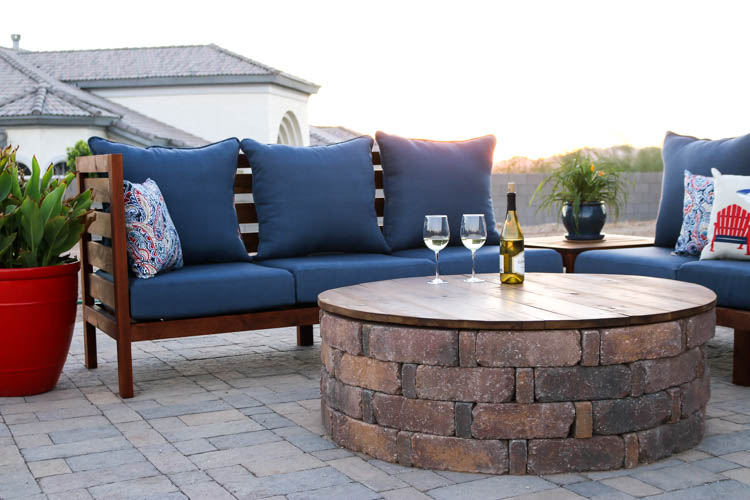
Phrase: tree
(79, 149)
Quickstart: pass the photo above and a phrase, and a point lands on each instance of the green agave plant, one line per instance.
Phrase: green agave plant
(37, 226)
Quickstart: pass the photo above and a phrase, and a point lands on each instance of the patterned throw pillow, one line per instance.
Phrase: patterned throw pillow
(729, 229)
(699, 198)
(153, 242)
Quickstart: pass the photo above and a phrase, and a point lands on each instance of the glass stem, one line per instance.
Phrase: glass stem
(472, 265)
(437, 274)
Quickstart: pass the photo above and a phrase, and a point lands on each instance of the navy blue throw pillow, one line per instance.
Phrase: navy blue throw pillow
(434, 178)
(198, 187)
(314, 199)
(699, 156)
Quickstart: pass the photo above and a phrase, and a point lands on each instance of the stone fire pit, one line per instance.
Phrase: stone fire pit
(538, 398)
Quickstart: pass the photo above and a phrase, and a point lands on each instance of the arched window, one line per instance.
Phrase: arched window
(60, 168)
(289, 131)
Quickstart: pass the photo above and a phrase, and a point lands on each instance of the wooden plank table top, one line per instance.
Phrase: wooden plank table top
(543, 301)
(558, 242)
(569, 249)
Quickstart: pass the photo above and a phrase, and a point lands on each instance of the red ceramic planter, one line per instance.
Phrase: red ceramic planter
(37, 315)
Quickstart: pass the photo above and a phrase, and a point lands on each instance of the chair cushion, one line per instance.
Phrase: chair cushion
(457, 260)
(730, 156)
(658, 262)
(314, 199)
(317, 273)
(198, 187)
(153, 242)
(209, 290)
(434, 178)
(730, 280)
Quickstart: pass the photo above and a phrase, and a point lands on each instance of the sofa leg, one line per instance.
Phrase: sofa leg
(305, 335)
(741, 365)
(89, 345)
(125, 369)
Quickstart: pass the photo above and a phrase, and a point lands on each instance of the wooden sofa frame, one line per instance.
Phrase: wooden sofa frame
(104, 175)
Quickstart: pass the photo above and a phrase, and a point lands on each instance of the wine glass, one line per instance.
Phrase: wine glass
(436, 234)
(473, 236)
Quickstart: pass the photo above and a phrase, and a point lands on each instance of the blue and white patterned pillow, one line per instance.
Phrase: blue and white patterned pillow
(153, 242)
(696, 210)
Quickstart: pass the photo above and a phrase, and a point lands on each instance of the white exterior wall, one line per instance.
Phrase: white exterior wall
(215, 112)
(47, 143)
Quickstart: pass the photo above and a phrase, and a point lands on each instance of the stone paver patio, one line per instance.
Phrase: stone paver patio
(238, 415)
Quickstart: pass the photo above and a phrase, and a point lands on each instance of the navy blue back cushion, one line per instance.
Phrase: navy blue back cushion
(434, 178)
(314, 199)
(699, 156)
(198, 188)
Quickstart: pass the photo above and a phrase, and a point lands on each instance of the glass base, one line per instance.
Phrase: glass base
(436, 281)
(474, 280)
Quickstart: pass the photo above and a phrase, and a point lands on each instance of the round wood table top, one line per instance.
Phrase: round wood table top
(543, 301)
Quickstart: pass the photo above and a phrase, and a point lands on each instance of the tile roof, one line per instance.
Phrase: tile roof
(322, 136)
(82, 66)
(29, 95)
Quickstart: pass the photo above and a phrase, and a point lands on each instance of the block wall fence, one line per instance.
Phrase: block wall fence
(643, 199)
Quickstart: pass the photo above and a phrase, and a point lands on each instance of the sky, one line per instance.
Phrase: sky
(545, 77)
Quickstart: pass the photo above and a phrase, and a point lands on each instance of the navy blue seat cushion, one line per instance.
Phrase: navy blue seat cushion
(317, 273)
(457, 260)
(657, 262)
(198, 188)
(729, 156)
(434, 178)
(730, 280)
(210, 290)
(314, 199)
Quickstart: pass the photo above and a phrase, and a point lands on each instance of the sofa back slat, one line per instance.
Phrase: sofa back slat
(247, 214)
(100, 256)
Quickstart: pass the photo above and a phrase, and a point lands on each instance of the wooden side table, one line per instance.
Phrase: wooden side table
(570, 249)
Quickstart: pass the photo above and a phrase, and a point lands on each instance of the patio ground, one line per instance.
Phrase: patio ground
(237, 415)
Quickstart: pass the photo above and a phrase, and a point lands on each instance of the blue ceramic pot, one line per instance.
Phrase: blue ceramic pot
(591, 218)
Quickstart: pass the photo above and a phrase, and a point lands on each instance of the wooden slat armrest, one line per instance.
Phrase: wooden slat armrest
(100, 223)
(94, 163)
(100, 188)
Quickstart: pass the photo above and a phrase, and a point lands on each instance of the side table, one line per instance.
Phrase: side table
(570, 249)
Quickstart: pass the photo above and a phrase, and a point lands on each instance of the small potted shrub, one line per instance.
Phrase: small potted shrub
(38, 281)
(583, 190)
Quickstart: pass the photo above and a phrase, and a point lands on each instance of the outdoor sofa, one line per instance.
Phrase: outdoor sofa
(729, 279)
(228, 282)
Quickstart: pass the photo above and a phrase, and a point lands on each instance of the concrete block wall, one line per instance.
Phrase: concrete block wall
(643, 197)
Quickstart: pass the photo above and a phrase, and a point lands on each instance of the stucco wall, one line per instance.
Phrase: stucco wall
(215, 112)
(47, 143)
(643, 198)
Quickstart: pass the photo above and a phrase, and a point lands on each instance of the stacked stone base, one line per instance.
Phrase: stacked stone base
(538, 402)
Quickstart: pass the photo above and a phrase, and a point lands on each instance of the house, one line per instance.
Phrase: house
(178, 96)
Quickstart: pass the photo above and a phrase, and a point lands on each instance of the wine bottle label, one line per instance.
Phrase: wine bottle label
(519, 263)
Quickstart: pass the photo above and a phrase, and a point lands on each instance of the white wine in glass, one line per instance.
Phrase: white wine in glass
(473, 236)
(436, 234)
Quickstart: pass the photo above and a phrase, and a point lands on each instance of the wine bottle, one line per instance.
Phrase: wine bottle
(512, 264)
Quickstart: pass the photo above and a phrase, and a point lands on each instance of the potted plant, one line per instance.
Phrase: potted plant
(583, 190)
(38, 281)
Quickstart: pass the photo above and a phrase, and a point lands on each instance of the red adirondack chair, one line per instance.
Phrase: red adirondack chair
(732, 226)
